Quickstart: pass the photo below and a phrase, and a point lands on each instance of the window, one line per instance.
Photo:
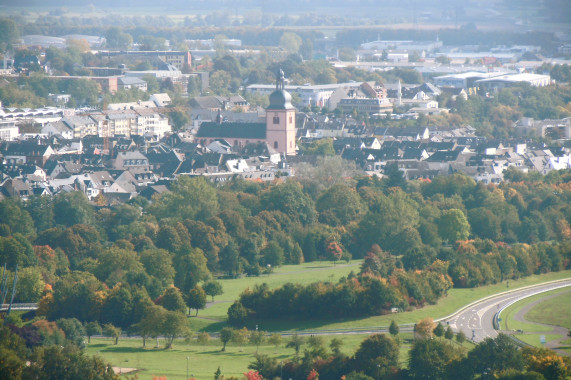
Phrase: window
(290, 119)
(276, 119)
(291, 144)
(275, 145)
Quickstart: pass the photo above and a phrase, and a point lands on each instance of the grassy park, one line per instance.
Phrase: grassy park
(203, 360)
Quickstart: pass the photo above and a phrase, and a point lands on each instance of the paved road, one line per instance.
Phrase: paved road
(476, 320)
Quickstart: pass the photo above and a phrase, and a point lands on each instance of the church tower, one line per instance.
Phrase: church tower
(280, 119)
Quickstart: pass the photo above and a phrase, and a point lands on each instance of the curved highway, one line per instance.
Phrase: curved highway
(476, 319)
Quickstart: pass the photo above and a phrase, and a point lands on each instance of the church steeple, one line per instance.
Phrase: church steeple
(280, 99)
(280, 118)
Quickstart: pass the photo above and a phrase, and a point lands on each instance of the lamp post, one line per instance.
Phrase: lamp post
(187, 367)
(378, 371)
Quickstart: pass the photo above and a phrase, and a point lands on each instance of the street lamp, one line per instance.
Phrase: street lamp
(187, 367)
(378, 371)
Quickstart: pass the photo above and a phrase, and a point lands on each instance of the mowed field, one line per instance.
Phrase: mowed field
(554, 311)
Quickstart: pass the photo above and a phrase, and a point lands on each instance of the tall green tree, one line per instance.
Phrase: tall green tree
(453, 225)
(196, 298)
(189, 198)
(213, 288)
(429, 359)
(376, 352)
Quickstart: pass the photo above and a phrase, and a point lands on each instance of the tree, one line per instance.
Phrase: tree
(112, 331)
(67, 362)
(174, 325)
(394, 328)
(257, 338)
(30, 285)
(460, 337)
(172, 300)
(453, 225)
(290, 199)
(438, 330)
(213, 288)
(273, 254)
(335, 346)
(428, 359)
(376, 350)
(425, 328)
(449, 334)
(334, 251)
(291, 42)
(240, 336)
(196, 299)
(275, 339)
(190, 198)
(295, 342)
(229, 258)
(92, 328)
(495, 355)
(237, 314)
(73, 208)
(225, 336)
(191, 268)
(178, 120)
(339, 205)
(150, 323)
(116, 38)
(9, 32)
(73, 330)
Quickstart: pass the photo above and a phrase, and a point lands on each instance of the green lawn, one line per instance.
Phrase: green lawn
(533, 339)
(204, 360)
(304, 274)
(311, 272)
(554, 311)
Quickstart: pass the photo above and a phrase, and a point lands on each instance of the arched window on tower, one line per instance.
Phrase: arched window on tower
(275, 145)
(276, 119)
(290, 119)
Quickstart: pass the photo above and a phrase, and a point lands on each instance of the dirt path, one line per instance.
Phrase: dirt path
(550, 329)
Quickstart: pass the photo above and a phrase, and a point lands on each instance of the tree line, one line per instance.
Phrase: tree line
(450, 226)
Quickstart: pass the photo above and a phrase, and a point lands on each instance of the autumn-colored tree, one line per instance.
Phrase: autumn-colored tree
(313, 375)
(252, 375)
(425, 328)
(334, 251)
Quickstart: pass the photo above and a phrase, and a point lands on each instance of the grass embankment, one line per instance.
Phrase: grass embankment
(553, 311)
(312, 272)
